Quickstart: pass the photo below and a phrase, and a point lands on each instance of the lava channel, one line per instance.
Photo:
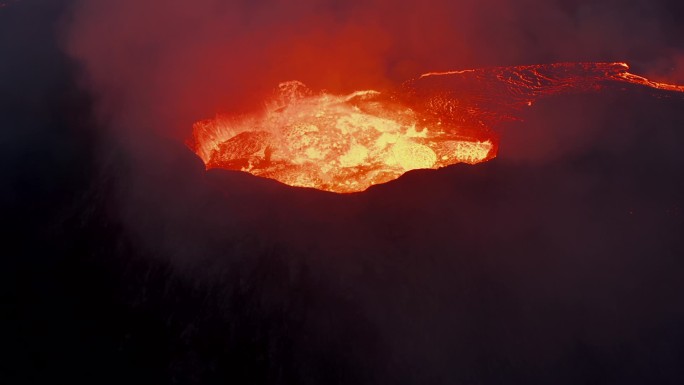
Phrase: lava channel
(347, 143)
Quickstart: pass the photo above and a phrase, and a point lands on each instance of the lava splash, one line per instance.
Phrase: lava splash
(347, 143)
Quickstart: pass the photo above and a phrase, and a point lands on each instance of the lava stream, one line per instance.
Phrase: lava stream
(347, 143)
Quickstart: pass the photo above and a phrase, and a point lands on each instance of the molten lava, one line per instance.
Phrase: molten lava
(347, 143)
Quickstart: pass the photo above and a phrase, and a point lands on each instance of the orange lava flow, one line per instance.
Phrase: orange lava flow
(347, 143)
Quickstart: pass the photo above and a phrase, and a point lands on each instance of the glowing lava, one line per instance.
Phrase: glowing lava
(350, 142)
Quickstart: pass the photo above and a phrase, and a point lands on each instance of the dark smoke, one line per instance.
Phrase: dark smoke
(125, 262)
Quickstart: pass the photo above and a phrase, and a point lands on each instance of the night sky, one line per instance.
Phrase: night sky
(125, 262)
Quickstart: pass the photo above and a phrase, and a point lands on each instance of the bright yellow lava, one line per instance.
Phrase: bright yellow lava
(334, 143)
(347, 143)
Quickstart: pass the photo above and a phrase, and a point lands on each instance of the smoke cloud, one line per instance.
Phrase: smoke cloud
(164, 66)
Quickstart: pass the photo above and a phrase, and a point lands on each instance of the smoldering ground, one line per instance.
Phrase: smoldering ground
(558, 262)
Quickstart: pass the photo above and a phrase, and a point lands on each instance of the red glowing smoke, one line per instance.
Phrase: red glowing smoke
(162, 66)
